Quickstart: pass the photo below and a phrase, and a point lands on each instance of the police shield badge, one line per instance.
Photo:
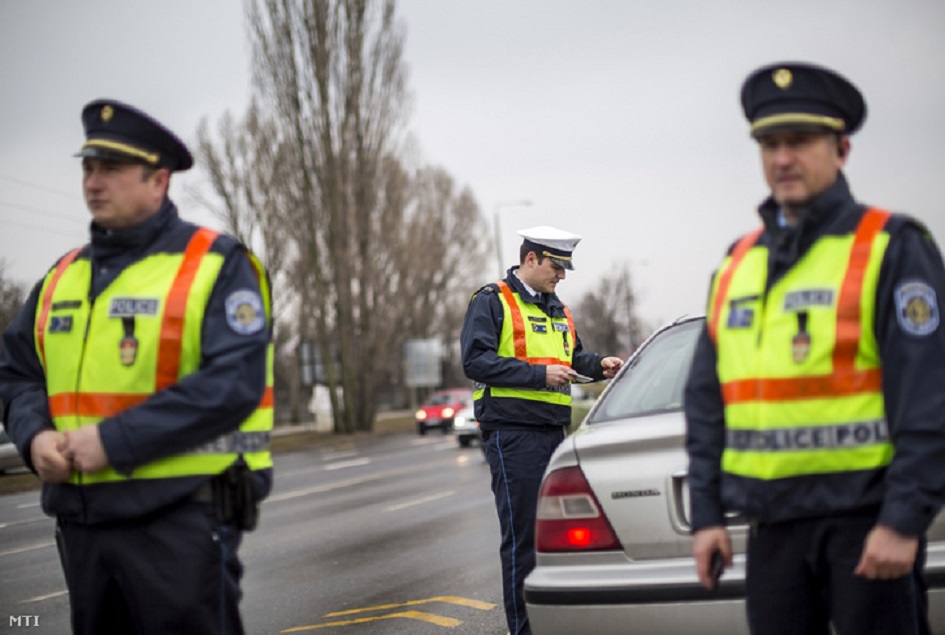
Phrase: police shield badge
(800, 347)
(128, 347)
(244, 312)
(917, 308)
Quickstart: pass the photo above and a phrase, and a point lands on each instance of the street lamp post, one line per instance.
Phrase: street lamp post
(498, 230)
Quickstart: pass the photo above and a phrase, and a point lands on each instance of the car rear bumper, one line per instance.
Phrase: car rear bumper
(661, 596)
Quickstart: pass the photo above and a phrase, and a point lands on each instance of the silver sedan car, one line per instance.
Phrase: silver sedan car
(613, 542)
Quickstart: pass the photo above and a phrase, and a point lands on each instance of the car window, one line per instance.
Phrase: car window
(437, 400)
(656, 377)
(446, 398)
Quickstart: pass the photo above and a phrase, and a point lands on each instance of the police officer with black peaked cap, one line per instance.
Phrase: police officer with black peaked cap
(137, 384)
(520, 347)
(815, 405)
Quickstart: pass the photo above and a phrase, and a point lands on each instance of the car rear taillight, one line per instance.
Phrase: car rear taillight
(569, 516)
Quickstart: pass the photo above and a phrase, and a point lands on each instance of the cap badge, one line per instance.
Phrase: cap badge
(782, 78)
(107, 113)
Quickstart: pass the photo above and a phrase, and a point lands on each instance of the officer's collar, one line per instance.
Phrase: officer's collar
(108, 242)
(825, 205)
(528, 288)
(549, 300)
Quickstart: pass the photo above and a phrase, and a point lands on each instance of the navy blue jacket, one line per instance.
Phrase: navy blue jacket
(912, 488)
(211, 402)
(482, 329)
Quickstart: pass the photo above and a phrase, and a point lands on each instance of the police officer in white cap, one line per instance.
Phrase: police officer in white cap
(521, 349)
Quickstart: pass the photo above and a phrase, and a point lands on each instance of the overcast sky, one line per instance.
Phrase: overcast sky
(618, 120)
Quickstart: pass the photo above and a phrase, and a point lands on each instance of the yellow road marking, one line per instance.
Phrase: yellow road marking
(448, 599)
(439, 620)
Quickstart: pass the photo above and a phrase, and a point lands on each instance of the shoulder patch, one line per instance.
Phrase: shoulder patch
(917, 308)
(244, 312)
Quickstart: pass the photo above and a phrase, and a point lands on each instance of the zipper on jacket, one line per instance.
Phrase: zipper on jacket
(76, 391)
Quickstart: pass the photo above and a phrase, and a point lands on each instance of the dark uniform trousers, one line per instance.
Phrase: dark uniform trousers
(800, 578)
(174, 571)
(517, 460)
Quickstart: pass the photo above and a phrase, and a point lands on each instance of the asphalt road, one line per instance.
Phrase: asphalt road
(367, 535)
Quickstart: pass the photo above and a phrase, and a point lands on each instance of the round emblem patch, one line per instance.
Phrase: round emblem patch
(244, 312)
(917, 308)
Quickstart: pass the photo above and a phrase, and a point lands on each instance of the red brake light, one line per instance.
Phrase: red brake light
(569, 516)
(579, 537)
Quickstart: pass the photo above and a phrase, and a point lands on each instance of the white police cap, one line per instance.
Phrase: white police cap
(552, 242)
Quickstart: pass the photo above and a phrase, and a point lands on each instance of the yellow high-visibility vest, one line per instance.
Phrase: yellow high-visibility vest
(142, 335)
(799, 365)
(532, 336)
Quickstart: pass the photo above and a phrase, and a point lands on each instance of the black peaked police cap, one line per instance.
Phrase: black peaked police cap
(114, 130)
(798, 96)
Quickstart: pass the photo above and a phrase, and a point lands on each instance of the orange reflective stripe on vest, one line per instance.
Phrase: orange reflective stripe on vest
(87, 404)
(104, 405)
(518, 323)
(848, 304)
(46, 302)
(738, 253)
(172, 325)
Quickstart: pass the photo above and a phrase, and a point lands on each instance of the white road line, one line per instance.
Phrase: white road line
(331, 456)
(28, 521)
(33, 547)
(420, 501)
(327, 487)
(340, 465)
(48, 596)
(424, 440)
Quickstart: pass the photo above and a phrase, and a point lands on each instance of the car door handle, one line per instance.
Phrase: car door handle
(679, 502)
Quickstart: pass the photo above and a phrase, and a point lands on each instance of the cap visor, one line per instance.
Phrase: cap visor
(564, 263)
(791, 127)
(102, 153)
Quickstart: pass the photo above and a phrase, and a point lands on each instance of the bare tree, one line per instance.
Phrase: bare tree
(607, 317)
(251, 191)
(12, 295)
(371, 252)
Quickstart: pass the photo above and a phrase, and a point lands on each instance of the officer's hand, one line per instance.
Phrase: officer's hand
(84, 447)
(557, 375)
(887, 554)
(705, 542)
(48, 456)
(611, 365)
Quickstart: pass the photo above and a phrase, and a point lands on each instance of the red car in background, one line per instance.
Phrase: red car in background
(440, 408)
